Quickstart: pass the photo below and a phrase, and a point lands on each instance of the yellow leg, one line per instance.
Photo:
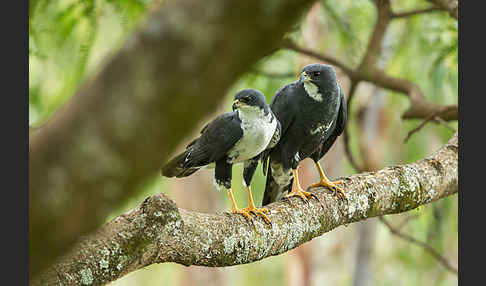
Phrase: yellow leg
(325, 182)
(252, 209)
(298, 191)
(235, 208)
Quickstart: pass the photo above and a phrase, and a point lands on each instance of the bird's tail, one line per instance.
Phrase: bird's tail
(274, 191)
(178, 166)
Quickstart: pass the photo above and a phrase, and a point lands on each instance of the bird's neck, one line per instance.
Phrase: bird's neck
(312, 91)
(318, 94)
(252, 114)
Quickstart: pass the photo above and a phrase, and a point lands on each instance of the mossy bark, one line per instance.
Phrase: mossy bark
(158, 232)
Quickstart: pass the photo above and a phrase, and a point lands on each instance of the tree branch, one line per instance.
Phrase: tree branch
(368, 70)
(422, 244)
(450, 5)
(426, 120)
(384, 12)
(347, 145)
(118, 129)
(274, 75)
(419, 108)
(158, 232)
(401, 15)
(289, 44)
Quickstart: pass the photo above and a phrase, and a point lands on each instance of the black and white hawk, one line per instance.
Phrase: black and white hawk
(312, 114)
(234, 137)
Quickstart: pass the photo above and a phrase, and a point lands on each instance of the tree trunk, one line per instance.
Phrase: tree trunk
(120, 127)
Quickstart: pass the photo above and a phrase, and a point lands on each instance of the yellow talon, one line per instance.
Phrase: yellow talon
(250, 209)
(258, 212)
(298, 189)
(331, 185)
(243, 212)
(299, 192)
(326, 183)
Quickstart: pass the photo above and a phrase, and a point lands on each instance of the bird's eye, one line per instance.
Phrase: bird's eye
(316, 73)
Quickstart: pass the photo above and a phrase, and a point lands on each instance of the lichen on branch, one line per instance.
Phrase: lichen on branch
(158, 231)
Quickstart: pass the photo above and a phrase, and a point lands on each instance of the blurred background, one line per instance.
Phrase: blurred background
(70, 40)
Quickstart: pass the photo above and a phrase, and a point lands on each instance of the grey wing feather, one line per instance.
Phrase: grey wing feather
(338, 130)
(221, 135)
(285, 118)
(216, 139)
(343, 114)
(280, 106)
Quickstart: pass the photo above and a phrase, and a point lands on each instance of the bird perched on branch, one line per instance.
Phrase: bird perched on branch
(312, 114)
(234, 137)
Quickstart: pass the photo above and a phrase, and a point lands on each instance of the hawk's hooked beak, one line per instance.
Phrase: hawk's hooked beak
(236, 104)
(304, 77)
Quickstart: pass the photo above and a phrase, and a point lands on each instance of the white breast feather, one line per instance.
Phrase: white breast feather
(257, 133)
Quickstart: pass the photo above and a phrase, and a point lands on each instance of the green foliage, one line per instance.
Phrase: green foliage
(432, 39)
(69, 41)
(349, 23)
(62, 35)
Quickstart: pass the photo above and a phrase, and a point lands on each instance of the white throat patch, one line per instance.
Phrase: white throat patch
(257, 133)
(312, 91)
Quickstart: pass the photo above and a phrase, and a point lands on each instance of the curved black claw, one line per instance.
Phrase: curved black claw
(256, 212)
(341, 195)
(304, 195)
(246, 215)
(315, 197)
(306, 200)
(287, 199)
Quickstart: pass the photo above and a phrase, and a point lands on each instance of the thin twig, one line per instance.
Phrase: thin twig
(422, 244)
(407, 219)
(347, 148)
(451, 6)
(273, 74)
(407, 14)
(444, 123)
(288, 44)
(429, 118)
